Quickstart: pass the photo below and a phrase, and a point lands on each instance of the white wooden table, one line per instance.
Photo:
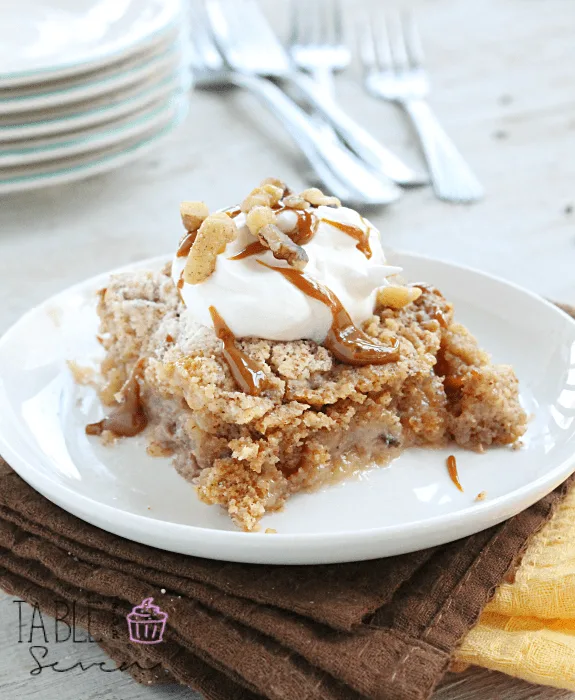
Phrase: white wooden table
(503, 77)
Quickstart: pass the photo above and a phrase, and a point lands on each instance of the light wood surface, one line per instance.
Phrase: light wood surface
(502, 73)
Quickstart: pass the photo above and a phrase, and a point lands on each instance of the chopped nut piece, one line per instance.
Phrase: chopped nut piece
(256, 198)
(274, 181)
(282, 246)
(270, 531)
(317, 198)
(85, 376)
(213, 236)
(193, 214)
(258, 217)
(295, 201)
(397, 297)
(159, 449)
(275, 193)
(481, 496)
(267, 195)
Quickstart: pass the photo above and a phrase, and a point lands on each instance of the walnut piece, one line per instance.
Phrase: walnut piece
(256, 198)
(275, 181)
(266, 195)
(282, 246)
(317, 198)
(274, 193)
(213, 235)
(258, 217)
(295, 201)
(193, 214)
(397, 297)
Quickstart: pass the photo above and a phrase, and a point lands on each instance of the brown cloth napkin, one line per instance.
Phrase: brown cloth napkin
(382, 629)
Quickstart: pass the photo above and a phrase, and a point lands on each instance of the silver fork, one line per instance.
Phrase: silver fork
(251, 47)
(316, 43)
(392, 57)
(334, 164)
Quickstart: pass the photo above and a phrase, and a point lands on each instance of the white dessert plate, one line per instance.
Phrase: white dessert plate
(406, 506)
(84, 165)
(46, 40)
(68, 118)
(98, 138)
(98, 83)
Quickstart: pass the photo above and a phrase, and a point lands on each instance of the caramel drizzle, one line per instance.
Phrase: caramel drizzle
(128, 418)
(361, 236)
(248, 374)
(186, 244)
(305, 231)
(254, 248)
(232, 212)
(452, 469)
(346, 341)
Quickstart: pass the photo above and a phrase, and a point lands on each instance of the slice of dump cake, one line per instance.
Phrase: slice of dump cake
(279, 351)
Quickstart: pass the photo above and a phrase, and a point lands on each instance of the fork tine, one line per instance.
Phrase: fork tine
(299, 33)
(323, 21)
(397, 42)
(381, 40)
(412, 40)
(337, 13)
(366, 43)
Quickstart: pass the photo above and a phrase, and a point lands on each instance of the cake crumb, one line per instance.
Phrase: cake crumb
(517, 445)
(157, 449)
(481, 496)
(271, 531)
(85, 376)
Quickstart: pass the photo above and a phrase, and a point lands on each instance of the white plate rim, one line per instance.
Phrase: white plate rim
(256, 544)
(178, 81)
(168, 59)
(117, 51)
(97, 165)
(139, 123)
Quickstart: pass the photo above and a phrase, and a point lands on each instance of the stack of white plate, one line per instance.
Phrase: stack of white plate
(86, 86)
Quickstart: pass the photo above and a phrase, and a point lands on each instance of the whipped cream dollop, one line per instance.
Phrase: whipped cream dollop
(256, 301)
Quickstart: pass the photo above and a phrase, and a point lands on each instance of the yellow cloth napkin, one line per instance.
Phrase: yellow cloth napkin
(528, 630)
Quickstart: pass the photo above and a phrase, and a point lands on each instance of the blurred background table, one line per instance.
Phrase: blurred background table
(502, 74)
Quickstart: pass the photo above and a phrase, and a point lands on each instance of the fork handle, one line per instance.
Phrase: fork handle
(367, 147)
(451, 177)
(342, 173)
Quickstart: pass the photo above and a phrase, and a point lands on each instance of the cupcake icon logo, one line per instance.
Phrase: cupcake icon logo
(147, 623)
